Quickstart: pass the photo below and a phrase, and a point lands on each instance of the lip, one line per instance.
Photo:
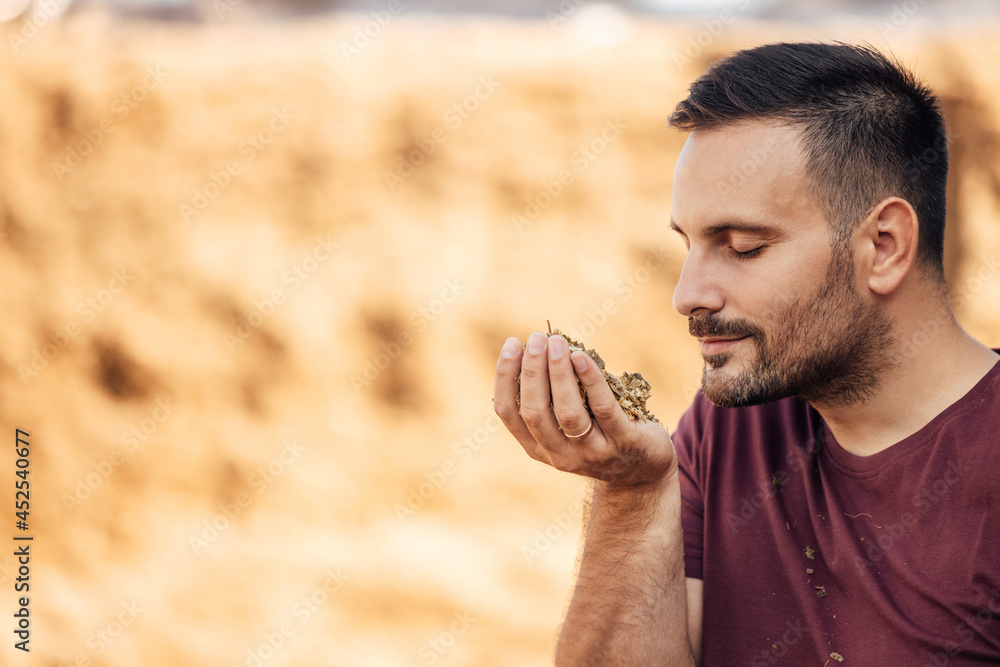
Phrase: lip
(711, 346)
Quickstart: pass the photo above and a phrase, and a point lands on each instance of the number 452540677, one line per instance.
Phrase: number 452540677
(22, 496)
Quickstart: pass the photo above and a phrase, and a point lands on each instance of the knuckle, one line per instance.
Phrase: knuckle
(568, 418)
(505, 411)
(531, 416)
(560, 372)
(591, 376)
(532, 372)
(506, 371)
(605, 411)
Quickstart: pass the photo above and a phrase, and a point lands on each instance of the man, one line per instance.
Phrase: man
(835, 477)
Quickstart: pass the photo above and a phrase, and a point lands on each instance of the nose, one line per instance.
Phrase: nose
(697, 292)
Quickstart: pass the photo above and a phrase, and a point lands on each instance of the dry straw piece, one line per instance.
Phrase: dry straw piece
(631, 389)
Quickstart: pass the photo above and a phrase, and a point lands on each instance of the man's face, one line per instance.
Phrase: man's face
(770, 295)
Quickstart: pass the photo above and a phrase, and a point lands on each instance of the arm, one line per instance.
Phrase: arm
(630, 606)
(694, 599)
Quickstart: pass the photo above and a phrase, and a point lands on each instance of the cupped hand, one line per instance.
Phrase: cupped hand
(612, 448)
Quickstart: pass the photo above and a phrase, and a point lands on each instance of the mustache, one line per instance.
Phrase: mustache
(713, 326)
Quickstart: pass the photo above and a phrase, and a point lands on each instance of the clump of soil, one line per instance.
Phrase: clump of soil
(631, 389)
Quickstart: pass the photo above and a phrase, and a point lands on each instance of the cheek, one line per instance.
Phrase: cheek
(776, 307)
(781, 297)
(773, 289)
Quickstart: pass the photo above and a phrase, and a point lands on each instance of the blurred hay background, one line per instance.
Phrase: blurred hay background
(270, 439)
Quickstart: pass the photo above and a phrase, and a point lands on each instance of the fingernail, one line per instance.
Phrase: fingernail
(579, 362)
(510, 348)
(557, 346)
(536, 342)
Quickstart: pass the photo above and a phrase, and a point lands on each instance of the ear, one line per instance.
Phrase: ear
(889, 238)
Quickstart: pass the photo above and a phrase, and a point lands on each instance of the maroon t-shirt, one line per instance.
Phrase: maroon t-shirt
(806, 550)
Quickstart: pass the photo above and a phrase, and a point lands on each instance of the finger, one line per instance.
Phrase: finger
(567, 404)
(608, 412)
(505, 391)
(536, 400)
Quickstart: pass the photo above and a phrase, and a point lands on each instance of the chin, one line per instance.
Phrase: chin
(718, 387)
(725, 396)
(722, 399)
(734, 387)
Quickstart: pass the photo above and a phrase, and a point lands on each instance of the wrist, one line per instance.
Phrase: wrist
(650, 486)
(639, 499)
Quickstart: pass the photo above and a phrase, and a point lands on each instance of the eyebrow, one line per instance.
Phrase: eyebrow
(731, 226)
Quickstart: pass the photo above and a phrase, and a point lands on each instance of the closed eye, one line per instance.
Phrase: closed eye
(748, 254)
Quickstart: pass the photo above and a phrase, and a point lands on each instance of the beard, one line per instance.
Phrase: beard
(829, 351)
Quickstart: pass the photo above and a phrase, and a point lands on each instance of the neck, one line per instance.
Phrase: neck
(926, 379)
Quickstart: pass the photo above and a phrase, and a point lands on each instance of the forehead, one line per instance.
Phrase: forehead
(748, 170)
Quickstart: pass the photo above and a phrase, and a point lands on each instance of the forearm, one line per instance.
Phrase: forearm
(630, 602)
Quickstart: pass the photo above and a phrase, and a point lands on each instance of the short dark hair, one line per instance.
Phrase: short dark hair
(871, 130)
